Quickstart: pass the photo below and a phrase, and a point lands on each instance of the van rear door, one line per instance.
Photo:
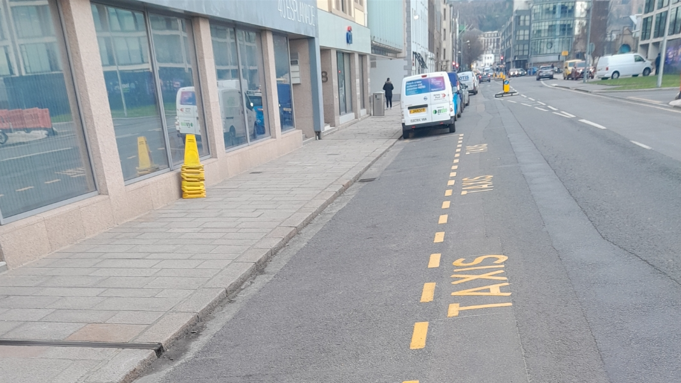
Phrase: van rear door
(426, 100)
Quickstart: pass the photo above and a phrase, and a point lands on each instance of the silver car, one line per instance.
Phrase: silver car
(545, 72)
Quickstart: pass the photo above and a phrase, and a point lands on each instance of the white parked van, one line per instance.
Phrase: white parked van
(626, 64)
(427, 103)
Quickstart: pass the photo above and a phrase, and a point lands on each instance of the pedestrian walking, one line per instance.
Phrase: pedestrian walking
(657, 63)
(388, 88)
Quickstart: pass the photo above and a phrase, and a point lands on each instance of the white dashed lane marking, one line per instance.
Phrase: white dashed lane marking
(595, 125)
(641, 145)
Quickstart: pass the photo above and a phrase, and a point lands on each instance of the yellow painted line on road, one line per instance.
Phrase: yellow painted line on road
(456, 161)
(434, 260)
(51, 182)
(452, 174)
(418, 338)
(480, 268)
(457, 154)
(428, 292)
(443, 219)
(24, 189)
(458, 150)
(450, 182)
(445, 204)
(454, 308)
(454, 167)
(448, 192)
(439, 237)
(411, 381)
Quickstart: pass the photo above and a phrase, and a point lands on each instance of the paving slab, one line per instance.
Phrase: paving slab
(149, 280)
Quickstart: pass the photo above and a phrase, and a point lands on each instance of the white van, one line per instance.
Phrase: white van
(231, 109)
(427, 103)
(626, 64)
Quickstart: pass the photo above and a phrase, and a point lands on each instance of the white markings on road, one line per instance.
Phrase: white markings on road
(51, 182)
(567, 114)
(512, 101)
(595, 125)
(539, 102)
(131, 157)
(35, 154)
(531, 99)
(543, 110)
(527, 104)
(644, 100)
(24, 189)
(552, 108)
(523, 95)
(560, 114)
(641, 145)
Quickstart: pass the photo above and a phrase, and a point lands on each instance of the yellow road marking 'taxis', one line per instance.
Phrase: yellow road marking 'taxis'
(418, 338)
(428, 292)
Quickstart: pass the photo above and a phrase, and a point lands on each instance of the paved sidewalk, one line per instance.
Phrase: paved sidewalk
(149, 280)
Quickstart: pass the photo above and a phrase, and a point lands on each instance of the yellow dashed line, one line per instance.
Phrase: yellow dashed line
(457, 154)
(452, 174)
(458, 150)
(411, 381)
(24, 189)
(428, 292)
(455, 167)
(439, 237)
(464, 192)
(445, 204)
(434, 260)
(456, 161)
(443, 219)
(418, 338)
(448, 192)
(450, 182)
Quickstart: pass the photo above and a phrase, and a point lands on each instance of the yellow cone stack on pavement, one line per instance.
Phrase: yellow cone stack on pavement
(193, 176)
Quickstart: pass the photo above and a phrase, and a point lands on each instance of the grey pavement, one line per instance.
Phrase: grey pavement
(151, 279)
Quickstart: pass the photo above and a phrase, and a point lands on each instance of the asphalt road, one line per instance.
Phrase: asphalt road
(538, 243)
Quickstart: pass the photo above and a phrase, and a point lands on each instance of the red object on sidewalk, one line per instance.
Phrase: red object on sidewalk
(25, 119)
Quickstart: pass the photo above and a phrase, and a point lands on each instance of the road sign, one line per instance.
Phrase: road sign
(565, 53)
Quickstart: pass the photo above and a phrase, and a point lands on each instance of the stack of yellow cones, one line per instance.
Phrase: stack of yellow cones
(192, 173)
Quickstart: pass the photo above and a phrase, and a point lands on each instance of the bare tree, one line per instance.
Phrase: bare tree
(471, 47)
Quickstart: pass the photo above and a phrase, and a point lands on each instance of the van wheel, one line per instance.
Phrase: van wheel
(452, 127)
(3, 138)
(646, 72)
(405, 134)
(615, 75)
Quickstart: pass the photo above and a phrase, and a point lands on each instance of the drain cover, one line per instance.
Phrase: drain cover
(256, 172)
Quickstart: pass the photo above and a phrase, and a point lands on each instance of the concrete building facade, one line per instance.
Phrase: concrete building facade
(653, 24)
(96, 100)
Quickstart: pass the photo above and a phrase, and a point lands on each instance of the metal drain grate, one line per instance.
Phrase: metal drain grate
(156, 347)
(367, 179)
(256, 172)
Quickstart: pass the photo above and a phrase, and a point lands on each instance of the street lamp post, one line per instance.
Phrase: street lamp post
(663, 53)
(589, 10)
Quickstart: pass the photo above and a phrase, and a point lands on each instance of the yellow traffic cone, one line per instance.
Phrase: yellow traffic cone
(146, 165)
(192, 171)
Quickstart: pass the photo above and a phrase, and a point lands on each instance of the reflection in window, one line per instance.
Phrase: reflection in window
(230, 94)
(344, 83)
(43, 157)
(175, 61)
(131, 88)
(252, 78)
(282, 60)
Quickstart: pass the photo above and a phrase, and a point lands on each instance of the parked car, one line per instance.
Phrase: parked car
(578, 70)
(567, 67)
(532, 71)
(486, 77)
(514, 72)
(545, 72)
(470, 80)
(466, 95)
(627, 64)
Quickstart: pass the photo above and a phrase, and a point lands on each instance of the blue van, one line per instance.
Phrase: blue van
(458, 98)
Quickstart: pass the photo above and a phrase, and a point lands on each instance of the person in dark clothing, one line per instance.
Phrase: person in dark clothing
(657, 63)
(388, 88)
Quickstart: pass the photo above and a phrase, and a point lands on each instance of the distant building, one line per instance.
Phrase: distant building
(652, 33)
(515, 40)
(491, 45)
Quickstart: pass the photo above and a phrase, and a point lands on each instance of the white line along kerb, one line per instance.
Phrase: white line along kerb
(543, 110)
(552, 108)
(595, 125)
(567, 114)
(641, 145)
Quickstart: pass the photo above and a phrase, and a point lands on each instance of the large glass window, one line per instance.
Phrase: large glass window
(646, 27)
(130, 84)
(174, 54)
(649, 6)
(43, 156)
(283, 66)
(134, 78)
(660, 23)
(252, 76)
